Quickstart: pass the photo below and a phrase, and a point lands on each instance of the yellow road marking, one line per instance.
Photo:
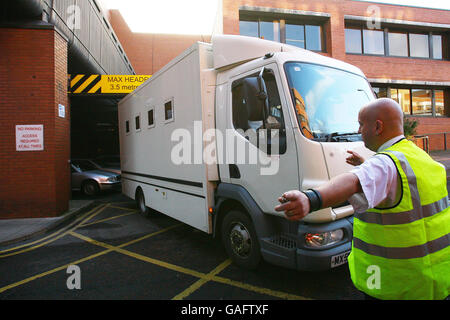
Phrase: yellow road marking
(202, 281)
(140, 257)
(16, 284)
(107, 219)
(122, 208)
(266, 291)
(67, 230)
(203, 277)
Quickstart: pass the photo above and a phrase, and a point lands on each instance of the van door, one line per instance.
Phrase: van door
(261, 156)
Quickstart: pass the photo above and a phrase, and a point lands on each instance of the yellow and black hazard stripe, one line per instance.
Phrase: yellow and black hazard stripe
(81, 83)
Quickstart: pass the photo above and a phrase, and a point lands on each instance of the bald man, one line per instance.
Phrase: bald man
(401, 208)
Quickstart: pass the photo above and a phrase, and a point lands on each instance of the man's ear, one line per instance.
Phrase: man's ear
(379, 127)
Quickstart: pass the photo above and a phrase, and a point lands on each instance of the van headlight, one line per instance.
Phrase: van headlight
(317, 240)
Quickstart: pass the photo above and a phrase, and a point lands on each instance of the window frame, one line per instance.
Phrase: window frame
(387, 30)
(283, 21)
(410, 89)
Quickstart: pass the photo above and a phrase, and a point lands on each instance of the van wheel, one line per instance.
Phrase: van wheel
(90, 188)
(140, 202)
(240, 240)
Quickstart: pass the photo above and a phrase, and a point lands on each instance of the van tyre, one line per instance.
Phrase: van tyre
(240, 240)
(90, 188)
(140, 202)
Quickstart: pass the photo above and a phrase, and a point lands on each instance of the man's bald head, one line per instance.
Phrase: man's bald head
(380, 121)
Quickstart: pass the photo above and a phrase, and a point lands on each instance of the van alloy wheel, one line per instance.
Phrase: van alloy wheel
(240, 240)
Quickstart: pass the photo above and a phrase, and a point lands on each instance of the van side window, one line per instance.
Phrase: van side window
(151, 119)
(274, 122)
(127, 126)
(138, 123)
(168, 110)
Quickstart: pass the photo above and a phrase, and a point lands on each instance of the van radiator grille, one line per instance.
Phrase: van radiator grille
(283, 241)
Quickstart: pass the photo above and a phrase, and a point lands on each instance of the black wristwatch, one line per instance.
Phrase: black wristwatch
(315, 199)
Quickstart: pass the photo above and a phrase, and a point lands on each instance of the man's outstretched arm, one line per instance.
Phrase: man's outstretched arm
(334, 192)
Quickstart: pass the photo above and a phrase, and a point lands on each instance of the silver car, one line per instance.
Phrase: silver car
(90, 180)
(98, 165)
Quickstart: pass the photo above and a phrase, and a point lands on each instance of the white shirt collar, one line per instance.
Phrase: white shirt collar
(390, 142)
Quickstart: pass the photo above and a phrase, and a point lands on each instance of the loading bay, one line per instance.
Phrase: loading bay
(121, 254)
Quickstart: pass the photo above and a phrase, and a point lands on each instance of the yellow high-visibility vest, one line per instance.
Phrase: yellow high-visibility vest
(403, 251)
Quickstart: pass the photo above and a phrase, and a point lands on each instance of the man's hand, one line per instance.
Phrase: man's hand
(355, 159)
(295, 205)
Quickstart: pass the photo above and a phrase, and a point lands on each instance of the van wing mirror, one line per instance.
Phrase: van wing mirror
(255, 95)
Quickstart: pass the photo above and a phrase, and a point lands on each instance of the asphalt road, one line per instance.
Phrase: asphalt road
(113, 252)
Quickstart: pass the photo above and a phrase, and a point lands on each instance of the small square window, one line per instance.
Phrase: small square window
(168, 110)
(151, 119)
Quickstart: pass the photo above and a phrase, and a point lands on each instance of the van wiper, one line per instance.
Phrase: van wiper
(335, 136)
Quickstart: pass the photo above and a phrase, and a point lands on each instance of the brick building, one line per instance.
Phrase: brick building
(41, 43)
(403, 51)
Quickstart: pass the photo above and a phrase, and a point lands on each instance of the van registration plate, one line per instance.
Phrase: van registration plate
(339, 259)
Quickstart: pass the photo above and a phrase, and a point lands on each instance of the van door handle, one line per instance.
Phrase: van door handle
(234, 171)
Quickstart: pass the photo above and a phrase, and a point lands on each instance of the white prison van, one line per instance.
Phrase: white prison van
(220, 132)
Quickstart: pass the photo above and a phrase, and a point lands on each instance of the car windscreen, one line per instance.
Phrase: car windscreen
(327, 100)
(83, 165)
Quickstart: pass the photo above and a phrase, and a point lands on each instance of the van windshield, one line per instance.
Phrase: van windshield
(327, 100)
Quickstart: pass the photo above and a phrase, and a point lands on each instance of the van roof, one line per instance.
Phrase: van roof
(233, 49)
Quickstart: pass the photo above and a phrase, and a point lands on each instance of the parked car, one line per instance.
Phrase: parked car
(90, 180)
(99, 165)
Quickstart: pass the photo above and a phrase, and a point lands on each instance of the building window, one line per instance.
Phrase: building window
(248, 28)
(421, 102)
(398, 43)
(381, 92)
(269, 30)
(373, 42)
(403, 97)
(439, 102)
(295, 35)
(306, 36)
(437, 46)
(313, 37)
(418, 45)
(416, 101)
(353, 41)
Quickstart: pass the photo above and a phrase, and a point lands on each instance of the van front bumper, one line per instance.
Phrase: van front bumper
(293, 252)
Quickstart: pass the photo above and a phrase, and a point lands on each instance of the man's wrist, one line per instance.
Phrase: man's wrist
(315, 199)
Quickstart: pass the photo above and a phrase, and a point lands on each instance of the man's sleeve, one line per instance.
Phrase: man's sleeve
(377, 176)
